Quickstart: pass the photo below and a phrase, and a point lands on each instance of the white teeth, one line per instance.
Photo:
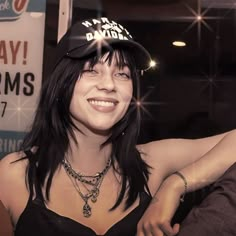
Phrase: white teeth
(102, 103)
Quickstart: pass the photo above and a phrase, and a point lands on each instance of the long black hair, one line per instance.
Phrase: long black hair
(52, 128)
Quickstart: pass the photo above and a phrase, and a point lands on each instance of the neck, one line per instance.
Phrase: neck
(87, 156)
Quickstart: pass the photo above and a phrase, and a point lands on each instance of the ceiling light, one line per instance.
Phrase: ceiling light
(179, 43)
(152, 63)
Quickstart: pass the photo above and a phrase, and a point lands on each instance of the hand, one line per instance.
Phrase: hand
(156, 220)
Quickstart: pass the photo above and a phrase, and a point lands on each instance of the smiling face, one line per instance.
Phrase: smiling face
(102, 94)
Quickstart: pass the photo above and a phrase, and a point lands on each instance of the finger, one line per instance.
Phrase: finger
(140, 230)
(155, 231)
(176, 228)
(168, 230)
(149, 230)
(140, 233)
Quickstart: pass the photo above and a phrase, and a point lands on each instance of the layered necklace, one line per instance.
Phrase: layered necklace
(91, 183)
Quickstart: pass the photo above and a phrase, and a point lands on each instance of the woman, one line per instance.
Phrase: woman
(80, 171)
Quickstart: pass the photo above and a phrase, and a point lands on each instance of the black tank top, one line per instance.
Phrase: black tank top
(38, 220)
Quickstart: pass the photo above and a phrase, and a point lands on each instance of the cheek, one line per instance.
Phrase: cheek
(72, 104)
(78, 90)
(127, 93)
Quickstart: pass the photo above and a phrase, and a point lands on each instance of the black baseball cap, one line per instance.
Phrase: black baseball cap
(88, 36)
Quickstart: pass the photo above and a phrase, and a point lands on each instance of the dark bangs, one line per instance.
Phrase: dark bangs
(122, 56)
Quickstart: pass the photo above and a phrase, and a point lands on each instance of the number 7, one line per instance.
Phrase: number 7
(4, 108)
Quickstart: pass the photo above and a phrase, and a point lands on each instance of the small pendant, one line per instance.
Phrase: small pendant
(93, 199)
(95, 194)
(87, 210)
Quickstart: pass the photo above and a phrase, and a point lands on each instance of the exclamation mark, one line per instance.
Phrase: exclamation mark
(25, 51)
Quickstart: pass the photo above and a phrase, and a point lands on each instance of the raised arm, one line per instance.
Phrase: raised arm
(212, 165)
(208, 159)
(170, 155)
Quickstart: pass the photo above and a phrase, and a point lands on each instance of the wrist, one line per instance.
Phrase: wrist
(178, 183)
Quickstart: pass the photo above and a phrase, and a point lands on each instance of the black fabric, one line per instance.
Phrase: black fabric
(37, 220)
(216, 215)
(91, 35)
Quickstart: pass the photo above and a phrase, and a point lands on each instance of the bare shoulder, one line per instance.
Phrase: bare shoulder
(11, 164)
(12, 176)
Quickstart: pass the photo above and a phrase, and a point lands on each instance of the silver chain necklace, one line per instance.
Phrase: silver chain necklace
(93, 180)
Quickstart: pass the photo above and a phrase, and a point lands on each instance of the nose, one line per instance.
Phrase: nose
(106, 83)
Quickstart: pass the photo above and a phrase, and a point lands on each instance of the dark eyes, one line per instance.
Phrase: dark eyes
(122, 75)
(117, 74)
(90, 72)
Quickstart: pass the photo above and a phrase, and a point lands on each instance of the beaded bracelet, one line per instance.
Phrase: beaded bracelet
(185, 185)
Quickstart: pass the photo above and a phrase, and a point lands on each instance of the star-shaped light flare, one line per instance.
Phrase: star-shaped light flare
(141, 103)
(199, 18)
(99, 41)
(19, 111)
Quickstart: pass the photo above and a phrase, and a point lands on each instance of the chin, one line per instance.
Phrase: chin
(101, 130)
(102, 124)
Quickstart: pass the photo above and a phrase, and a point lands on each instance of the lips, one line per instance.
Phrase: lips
(103, 104)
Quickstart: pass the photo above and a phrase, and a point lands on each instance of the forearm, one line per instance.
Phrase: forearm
(210, 167)
(202, 172)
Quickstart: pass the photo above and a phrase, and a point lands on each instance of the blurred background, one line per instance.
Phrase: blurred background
(192, 90)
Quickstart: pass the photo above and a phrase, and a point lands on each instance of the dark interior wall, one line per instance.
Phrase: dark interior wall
(191, 93)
